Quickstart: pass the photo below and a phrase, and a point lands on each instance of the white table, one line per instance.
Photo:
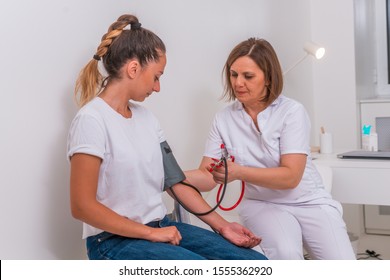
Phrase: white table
(358, 181)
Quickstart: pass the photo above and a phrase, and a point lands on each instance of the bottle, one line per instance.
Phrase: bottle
(369, 139)
(366, 130)
(373, 142)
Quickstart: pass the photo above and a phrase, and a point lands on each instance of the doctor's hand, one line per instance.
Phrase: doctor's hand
(239, 235)
(218, 171)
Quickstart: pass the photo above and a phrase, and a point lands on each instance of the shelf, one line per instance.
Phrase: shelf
(377, 99)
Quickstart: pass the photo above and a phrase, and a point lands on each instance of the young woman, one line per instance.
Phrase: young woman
(117, 173)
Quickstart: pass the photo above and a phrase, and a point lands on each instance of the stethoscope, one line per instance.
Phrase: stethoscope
(221, 190)
(225, 154)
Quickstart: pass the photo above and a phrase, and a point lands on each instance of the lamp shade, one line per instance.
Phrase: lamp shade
(311, 49)
(315, 50)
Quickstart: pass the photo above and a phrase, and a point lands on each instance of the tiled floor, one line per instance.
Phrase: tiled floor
(378, 243)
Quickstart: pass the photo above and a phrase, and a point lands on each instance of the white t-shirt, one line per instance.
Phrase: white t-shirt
(284, 129)
(131, 176)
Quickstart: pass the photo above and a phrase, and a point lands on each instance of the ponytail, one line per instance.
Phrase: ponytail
(117, 46)
(88, 84)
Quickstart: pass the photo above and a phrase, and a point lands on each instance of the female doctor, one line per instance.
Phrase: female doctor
(268, 134)
(117, 172)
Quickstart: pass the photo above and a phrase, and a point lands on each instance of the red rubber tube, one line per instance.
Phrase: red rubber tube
(238, 201)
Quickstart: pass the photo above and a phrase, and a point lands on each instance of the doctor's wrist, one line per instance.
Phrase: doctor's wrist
(240, 173)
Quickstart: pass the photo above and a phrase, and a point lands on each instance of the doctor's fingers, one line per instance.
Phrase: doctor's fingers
(219, 177)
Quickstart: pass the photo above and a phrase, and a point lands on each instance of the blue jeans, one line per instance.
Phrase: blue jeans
(196, 244)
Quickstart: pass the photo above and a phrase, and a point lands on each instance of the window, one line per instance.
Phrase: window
(388, 39)
(382, 15)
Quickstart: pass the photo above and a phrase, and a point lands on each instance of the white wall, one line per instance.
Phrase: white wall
(335, 106)
(365, 47)
(45, 43)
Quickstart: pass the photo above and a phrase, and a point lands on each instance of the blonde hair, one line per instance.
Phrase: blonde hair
(117, 46)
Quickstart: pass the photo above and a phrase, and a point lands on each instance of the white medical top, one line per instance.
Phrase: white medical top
(284, 129)
(131, 176)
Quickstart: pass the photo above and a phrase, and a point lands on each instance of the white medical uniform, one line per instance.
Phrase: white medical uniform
(131, 176)
(285, 219)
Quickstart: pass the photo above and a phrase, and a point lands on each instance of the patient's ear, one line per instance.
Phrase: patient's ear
(132, 68)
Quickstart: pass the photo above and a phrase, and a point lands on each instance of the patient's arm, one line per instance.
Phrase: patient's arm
(201, 178)
(233, 232)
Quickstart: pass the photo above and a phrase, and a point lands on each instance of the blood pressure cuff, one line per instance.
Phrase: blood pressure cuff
(172, 171)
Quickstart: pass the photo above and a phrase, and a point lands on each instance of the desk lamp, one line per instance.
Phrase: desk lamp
(311, 49)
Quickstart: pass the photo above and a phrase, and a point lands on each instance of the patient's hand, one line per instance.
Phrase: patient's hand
(239, 235)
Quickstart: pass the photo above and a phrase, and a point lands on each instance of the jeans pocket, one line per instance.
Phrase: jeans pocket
(97, 247)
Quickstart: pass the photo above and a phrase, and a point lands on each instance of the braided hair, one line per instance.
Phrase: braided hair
(117, 46)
